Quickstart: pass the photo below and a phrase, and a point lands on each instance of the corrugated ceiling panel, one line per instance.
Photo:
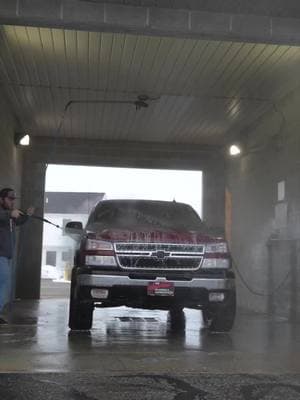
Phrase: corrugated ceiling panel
(204, 89)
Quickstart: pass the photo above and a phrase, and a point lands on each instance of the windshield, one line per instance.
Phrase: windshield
(144, 214)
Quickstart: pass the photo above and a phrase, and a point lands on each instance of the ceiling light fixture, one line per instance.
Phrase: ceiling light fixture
(22, 139)
(235, 150)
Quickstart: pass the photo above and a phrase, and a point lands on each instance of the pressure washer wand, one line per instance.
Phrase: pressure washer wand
(45, 220)
(41, 219)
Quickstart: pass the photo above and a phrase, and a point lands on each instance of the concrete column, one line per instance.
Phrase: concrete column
(214, 199)
(31, 233)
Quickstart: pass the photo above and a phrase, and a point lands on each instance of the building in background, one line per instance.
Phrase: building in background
(58, 248)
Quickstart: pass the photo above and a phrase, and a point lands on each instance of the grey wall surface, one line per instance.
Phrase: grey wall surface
(266, 228)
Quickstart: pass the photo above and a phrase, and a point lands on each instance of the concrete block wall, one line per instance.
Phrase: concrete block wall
(268, 23)
(266, 226)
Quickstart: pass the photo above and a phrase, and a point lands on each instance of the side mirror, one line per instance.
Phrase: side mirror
(74, 228)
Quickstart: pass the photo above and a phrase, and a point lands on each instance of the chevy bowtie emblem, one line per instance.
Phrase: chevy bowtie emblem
(160, 254)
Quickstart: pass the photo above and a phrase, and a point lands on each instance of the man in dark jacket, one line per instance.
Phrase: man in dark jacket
(10, 216)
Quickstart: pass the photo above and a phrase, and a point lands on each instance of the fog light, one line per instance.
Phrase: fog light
(215, 296)
(99, 293)
(216, 263)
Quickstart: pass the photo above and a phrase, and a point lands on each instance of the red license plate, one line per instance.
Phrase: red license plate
(160, 289)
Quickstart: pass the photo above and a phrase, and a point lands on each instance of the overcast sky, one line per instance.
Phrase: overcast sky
(125, 183)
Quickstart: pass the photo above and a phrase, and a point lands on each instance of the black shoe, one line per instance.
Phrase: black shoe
(3, 321)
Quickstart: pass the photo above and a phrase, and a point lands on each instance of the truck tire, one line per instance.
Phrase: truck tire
(176, 319)
(80, 313)
(220, 318)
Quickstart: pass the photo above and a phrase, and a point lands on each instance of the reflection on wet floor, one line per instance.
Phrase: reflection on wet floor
(123, 339)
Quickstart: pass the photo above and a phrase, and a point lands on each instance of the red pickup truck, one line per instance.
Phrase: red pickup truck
(153, 255)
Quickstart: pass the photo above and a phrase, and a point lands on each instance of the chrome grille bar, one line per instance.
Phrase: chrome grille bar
(162, 256)
(148, 247)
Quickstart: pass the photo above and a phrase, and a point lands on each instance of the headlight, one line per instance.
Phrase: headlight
(92, 244)
(216, 248)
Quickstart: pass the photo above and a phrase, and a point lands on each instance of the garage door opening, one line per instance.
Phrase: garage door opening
(72, 191)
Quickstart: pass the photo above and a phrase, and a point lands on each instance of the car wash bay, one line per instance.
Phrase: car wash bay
(213, 75)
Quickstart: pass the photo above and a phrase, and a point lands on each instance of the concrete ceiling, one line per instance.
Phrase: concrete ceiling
(206, 91)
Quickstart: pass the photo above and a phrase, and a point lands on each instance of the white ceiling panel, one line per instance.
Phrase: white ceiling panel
(204, 90)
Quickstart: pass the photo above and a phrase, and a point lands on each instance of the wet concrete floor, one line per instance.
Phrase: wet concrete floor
(128, 350)
(38, 339)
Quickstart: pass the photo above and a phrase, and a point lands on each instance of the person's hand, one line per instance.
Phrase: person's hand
(30, 211)
(15, 213)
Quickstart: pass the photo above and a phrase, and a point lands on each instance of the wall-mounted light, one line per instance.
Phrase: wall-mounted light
(22, 139)
(235, 150)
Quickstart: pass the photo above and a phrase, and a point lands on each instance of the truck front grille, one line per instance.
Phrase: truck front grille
(159, 256)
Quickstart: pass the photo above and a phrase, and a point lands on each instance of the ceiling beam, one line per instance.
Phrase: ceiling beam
(155, 21)
(124, 154)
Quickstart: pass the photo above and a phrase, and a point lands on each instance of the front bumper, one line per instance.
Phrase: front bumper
(109, 281)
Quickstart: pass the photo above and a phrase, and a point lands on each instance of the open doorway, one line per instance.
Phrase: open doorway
(72, 191)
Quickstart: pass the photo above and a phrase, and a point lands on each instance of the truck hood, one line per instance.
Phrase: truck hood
(116, 235)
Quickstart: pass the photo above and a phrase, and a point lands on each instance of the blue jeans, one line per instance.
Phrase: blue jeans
(5, 281)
